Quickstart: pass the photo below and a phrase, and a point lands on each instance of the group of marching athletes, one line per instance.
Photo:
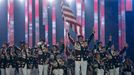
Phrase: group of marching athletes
(61, 60)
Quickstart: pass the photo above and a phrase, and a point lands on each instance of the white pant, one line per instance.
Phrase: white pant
(100, 72)
(10, 71)
(40, 67)
(117, 72)
(20, 71)
(34, 71)
(24, 70)
(111, 72)
(127, 73)
(82, 65)
(58, 72)
(28, 71)
(114, 71)
(45, 67)
(2, 71)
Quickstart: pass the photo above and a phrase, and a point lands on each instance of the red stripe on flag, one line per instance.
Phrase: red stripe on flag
(68, 14)
(65, 8)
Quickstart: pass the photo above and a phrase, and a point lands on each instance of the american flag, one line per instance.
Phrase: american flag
(70, 23)
(69, 17)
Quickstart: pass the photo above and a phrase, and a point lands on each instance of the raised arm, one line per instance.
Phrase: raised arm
(71, 39)
(109, 44)
(95, 47)
(91, 37)
(62, 47)
(124, 49)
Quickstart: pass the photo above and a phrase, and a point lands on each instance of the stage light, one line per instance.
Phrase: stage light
(69, 1)
(1, 1)
(21, 1)
(50, 1)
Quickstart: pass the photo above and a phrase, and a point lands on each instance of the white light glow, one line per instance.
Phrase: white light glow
(50, 1)
(21, 1)
(1, 1)
(69, 1)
